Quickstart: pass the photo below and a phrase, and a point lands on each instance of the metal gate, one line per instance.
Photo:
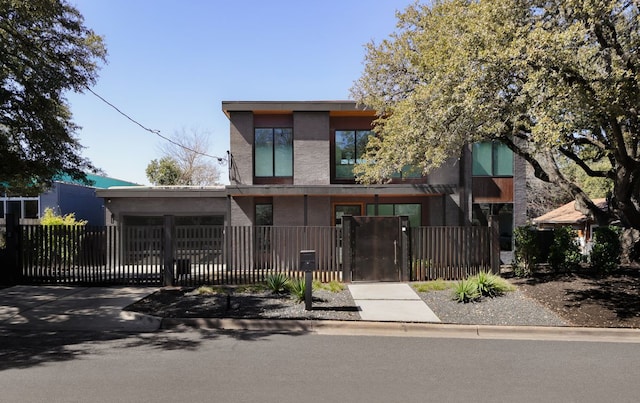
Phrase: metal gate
(378, 248)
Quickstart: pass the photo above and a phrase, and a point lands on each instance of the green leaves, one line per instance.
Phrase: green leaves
(481, 285)
(45, 50)
(553, 78)
(164, 172)
(278, 283)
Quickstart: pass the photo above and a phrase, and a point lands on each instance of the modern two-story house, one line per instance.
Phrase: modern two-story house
(291, 163)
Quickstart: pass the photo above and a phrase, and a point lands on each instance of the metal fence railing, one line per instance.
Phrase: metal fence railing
(201, 255)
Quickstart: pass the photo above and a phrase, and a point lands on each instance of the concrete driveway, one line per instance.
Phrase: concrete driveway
(74, 308)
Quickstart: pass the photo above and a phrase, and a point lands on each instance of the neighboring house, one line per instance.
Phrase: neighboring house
(291, 164)
(65, 196)
(567, 215)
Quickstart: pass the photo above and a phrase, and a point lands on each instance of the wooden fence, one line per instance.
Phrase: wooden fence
(450, 253)
(201, 255)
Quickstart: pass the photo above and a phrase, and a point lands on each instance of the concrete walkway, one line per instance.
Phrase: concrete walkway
(390, 302)
(74, 308)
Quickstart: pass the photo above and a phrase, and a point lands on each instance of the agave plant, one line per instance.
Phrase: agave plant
(277, 283)
(297, 288)
(465, 291)
(485, 282)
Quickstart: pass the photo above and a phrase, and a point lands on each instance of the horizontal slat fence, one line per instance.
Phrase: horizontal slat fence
(449, 253)
(210, 255)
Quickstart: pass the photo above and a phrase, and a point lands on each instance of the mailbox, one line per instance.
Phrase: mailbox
(307, 260)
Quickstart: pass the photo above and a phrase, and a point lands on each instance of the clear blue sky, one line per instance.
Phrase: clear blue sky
(172, 63)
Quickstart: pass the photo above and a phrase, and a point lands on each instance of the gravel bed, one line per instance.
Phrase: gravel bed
(325, 305)
(510, 309)
(513, 308)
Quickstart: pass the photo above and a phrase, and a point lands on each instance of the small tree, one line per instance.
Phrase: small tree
(605, 253)
(527, 250)
(564, 253)
(164, 172)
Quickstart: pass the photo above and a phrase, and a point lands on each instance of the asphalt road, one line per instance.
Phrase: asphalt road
(245, 366)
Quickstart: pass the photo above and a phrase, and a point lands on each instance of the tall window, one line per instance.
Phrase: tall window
(350, 145)
(492, 159)
(273, 152)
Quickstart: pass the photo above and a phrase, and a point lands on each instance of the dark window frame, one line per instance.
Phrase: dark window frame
(274, 178)
(494, 163)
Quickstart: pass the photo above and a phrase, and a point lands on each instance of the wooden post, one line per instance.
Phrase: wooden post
(494, 224)
(347, 239)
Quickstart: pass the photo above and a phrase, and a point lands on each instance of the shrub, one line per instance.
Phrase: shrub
(277, 283)
(50, 218)
(297, 287)
(59, 245)
(605, 253)
(465, 291)
(527, 250)
(564, 253)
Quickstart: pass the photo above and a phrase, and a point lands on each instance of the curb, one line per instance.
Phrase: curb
(410, 329)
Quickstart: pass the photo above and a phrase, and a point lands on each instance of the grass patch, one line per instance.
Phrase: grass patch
(333, 286)
(434, 285)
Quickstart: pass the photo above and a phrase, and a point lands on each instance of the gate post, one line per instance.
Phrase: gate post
(347, 248)
(13, 270)
(405, 246)
(494, 243)
(167, 273)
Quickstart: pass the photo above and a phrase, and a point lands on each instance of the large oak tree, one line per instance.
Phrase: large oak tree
(45, 50)
(555, 80)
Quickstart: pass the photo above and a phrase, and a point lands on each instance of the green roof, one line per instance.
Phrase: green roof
(101, 182)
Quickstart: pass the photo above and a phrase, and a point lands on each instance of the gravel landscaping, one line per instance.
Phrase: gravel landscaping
(582, 298)
(512, 308)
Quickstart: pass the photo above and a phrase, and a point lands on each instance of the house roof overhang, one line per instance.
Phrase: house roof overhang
(567, 215)
(162, 192)
(337, 108)
(339, 190)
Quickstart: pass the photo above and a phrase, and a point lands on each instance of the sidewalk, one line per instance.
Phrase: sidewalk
(390, 302)
(74, 308)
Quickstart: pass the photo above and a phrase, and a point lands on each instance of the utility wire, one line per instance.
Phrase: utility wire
(156, 132)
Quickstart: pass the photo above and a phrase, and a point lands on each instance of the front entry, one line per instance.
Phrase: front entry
(378, 248)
